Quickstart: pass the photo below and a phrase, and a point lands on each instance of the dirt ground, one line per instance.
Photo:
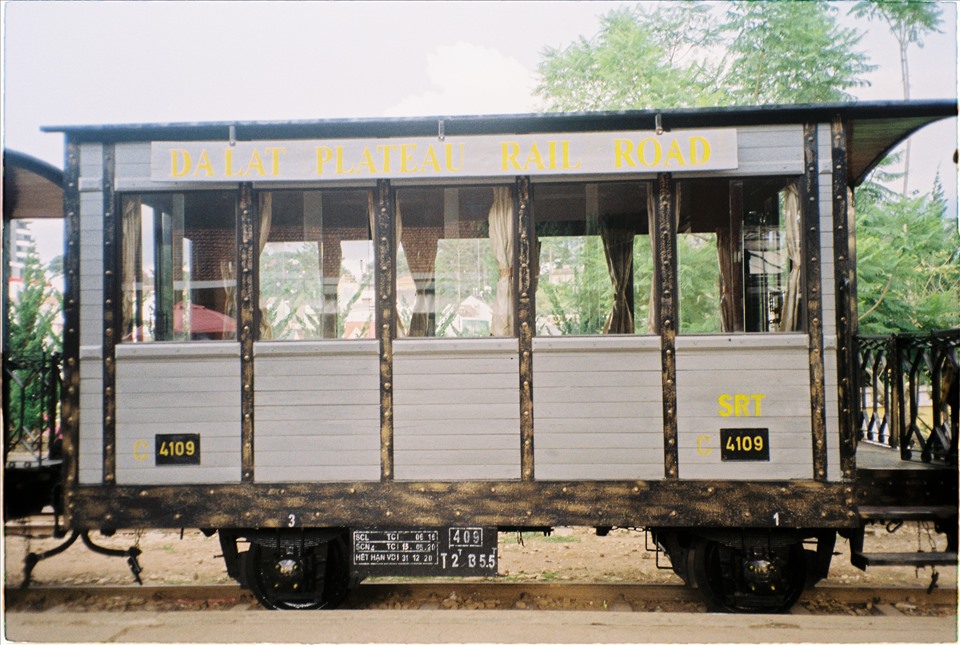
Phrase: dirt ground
(568, 555)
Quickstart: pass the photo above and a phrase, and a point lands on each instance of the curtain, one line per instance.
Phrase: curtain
(132, 305)
(790, 318)
(331, 256)
(502, 240)
(653, 313)
(266, 219)
(618, 249)
(730, 260)
(420, 249)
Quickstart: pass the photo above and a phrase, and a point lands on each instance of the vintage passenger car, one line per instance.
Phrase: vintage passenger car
(367, 346)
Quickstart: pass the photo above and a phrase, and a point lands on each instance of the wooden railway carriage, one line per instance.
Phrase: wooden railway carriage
(365, 346)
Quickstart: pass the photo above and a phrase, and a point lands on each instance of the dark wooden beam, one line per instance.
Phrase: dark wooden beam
(385, 251)
(247, 248)
(667, 311)
(660, 503)
(70, 404)
(111, 325)
(810, 209)
(526, 319)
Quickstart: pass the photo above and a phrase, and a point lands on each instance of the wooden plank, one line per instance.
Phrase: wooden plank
(404, 397)
(309, 368)
(466, 413)
(179, 416)
(598, 472)
(652, 425)
(598, 394)
(565, 379)
(442, 459)
(223, 397)
(610, 456)
(331, 473)
(607, 441)
(328, 442)
(440, 443)
(331, 397)
(620, 409)
(442, 366)
(180, 475)
(321, 426)
(315, 459)
(324, 412)
(423, 427)
(600, 363)
(319, 383)
(443, 472)
(174, 369)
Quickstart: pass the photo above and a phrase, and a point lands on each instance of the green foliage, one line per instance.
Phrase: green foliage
(775, 52)
(32, 339)
(639, 59)
(791, 52)
(698, 276)
(908, 263)
(577, 303)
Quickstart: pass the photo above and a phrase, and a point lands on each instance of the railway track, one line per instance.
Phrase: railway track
(827, 600)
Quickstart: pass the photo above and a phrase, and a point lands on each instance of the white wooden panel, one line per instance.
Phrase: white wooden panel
(317, 411)
(197, 392)
(91, 268)
(772, 373)
(467, 424)
(91, 417)
(598, 408)
(91, 161)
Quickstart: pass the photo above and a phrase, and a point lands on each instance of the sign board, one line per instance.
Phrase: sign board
(446, 551)
(579, 153)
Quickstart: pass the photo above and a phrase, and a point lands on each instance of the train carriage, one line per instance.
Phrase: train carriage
(367, 346)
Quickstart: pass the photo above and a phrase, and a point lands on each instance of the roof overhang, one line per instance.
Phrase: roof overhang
(32, 189)
(873, 128)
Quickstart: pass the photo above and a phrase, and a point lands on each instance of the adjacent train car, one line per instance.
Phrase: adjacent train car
(364, 347)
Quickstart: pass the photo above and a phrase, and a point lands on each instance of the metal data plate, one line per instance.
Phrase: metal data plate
(444, 551)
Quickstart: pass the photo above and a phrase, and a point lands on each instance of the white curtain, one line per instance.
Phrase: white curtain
(133, 327)
(266, 219)
(790, 318)
(501, 239)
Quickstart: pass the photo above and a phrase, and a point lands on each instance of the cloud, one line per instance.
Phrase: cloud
(470, 79)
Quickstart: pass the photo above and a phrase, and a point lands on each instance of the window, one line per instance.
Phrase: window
(316, 265)
(596, 267)
(738, 255)
(179, 266)
(455, 261)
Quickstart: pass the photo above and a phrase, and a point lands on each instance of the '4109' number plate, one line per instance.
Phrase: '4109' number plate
(744, 444)
(177, 449)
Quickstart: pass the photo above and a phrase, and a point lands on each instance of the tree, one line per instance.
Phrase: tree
(908, 21)
(913, 284)
(790, 52)
(664, 56)
(638, 59)
(32, 341)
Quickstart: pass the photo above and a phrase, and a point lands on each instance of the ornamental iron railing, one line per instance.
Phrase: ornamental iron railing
(909, 393)
(32, 411)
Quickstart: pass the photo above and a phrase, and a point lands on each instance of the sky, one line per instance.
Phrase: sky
(78, 63)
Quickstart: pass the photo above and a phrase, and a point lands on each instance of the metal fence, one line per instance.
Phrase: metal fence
(32, 410)
(909, 393)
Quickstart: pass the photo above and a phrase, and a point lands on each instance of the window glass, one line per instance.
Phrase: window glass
(595, 260)
(316, 265)
(179, 263)
(455, 261)
(738, 255)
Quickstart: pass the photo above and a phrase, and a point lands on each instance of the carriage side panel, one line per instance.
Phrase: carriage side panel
(598, 408)
(456, 409)
(165, 389)
(317, 411)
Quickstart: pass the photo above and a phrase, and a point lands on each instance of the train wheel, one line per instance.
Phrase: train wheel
(764, 580)
(289, 577)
